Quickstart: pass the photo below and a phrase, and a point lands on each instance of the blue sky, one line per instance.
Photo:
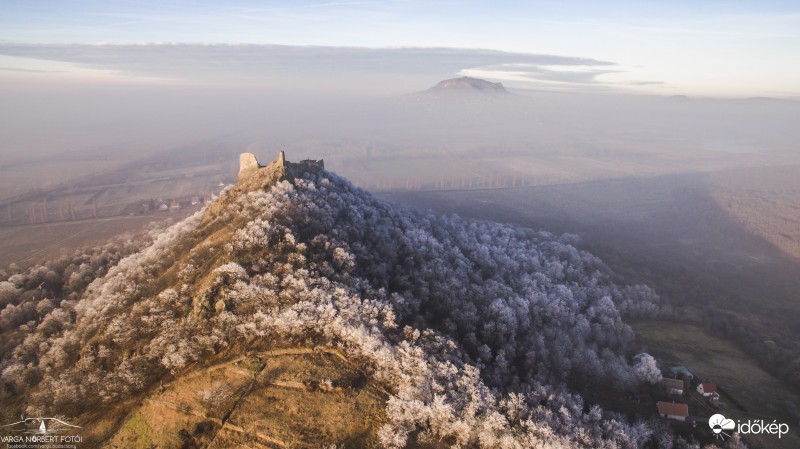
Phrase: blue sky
(709, 48)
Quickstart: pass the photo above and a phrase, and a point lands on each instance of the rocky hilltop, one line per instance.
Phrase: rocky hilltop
(464, 95)
(468, 84)
(299, 311)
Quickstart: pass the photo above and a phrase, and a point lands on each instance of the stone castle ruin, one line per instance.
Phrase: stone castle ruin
(254, 176)
(280, 168)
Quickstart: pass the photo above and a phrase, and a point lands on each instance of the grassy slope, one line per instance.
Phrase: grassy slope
(263, 399)
(268, 399)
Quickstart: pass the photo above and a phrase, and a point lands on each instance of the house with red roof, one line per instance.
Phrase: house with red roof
(673, 410)
(707, 389)
(709, 392)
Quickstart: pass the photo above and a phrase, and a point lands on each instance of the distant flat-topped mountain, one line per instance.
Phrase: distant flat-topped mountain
(471, 93)
(467, 84)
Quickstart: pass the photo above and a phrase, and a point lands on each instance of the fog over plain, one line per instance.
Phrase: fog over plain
(109, 104)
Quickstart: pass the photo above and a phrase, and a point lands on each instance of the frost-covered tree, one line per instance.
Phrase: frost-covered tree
(646, 369)
(476, 327)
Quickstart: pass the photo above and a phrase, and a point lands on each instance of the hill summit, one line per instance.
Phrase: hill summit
(467, 84)
(298, 310)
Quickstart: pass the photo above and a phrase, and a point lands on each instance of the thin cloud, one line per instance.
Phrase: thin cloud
(578, 74)
(644, 83)
(336, 4)
(17, 69)
(217, 63)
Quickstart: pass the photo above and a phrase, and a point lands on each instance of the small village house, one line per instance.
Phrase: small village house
(673, 410)
(709, 392)
(707, 389)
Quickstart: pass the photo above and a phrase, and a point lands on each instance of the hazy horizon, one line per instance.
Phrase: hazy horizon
(713, 49)
(107, 93)
(116, 82)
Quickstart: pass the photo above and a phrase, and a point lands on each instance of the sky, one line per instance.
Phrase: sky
(709, 48)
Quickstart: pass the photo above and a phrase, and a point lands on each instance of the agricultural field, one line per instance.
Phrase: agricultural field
(29, 245)
(60, 217)
(26, 245)
(18, 179)
(767, 201)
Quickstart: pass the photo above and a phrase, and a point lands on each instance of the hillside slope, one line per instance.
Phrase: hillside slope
(298, 310)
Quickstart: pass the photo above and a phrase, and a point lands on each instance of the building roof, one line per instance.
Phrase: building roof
(709, 387)
(672, 383)
(672, 409)
(678, 369)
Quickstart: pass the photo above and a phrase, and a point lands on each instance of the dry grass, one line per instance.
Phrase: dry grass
(277, 399)
(293, 407)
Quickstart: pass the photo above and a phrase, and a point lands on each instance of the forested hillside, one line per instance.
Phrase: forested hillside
(476, 331)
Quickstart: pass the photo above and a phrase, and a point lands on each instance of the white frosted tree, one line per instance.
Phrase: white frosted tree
(645, 367)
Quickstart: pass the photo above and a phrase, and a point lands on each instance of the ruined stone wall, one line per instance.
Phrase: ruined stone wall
(254, 176)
